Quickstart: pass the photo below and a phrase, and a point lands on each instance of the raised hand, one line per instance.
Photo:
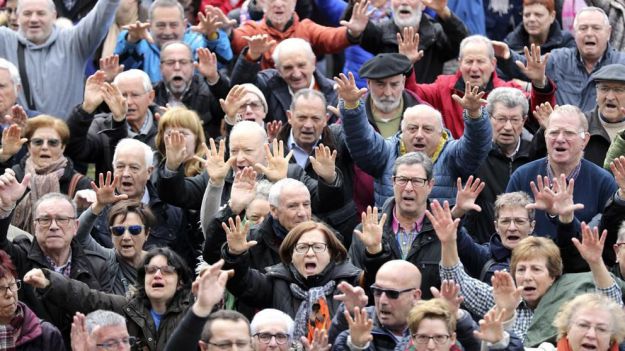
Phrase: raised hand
(243, 190)
(36, 279)
(506, 294)
(471, 101)
(444, 225)
(175, 149)
(501, 49)
(207, 24)
(563, 203)
(543, 196)
(467, 195)
(591, 246)
(535, 67)
(408, 44)
(236, 235)
(618, 170)
(372, 229)
(359, 327)
(258, 45)
(273, 129)
(324, 163)
(227, 23)
(215, 165)
(17, 116)
(491, 327)
(111, 67)
(12, 141)
(116, 102)
(79, 335)
(207, 65)
(359, 19)
(348, 91)
(105, 193)
(94, 94)
(450, 292)
(438, 6)
(351, 296)
(209, 288)
(138, 31)
(319, 342)
(10, 189)
(542, 113)
(233, 101)
(277, 164)
(84, 198)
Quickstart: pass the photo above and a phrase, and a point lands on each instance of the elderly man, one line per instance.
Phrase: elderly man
(281, 22)
(566, 136)
(52, 61)
(477, 65)
(198, 92)
(439, 39)
(387, 99)
(93, 136)
(101, 329)
(295, 70)
(139, 46)
(421, 130)
(570, 68)
(53, 247)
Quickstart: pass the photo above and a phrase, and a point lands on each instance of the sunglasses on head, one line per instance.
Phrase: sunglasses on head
(119, 230)
(390, 293)
(39, 142)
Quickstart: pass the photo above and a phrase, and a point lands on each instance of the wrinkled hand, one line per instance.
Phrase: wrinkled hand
(437, 5)
(471, 101)
(236, 235)
(506, 294)
(17, 116)
(209, 288)
(618, 170)
(138, 31)
(84, 198)
(467, 195)
(273, 129)
(277, 164)
(348, 90)
(233, 101)
(444, 225)
(542, 113)
(111, 67)
(227, 23)
(94, 95)
(591, 246)
(116, 102)
(359, 327)
(207, 65)
(372, 229)
(10, 189)
(491, 327)
(543, 196)
(175, 149)
(79, 335)
(352, 296)
(105, 193)
(450, 292)
(258, 45)
(563, 203)
(214, 164)
(243, 190)
(319, 342)
(12, 141)
(359, 19)
(324, 163)
(501, 49)
(207, 24)
(408, 44)
(534, 70)
(36, 278)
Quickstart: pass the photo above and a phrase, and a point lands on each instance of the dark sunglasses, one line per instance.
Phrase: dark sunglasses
(390, 293)
(119, 230)
(39, 142)
(152, 269)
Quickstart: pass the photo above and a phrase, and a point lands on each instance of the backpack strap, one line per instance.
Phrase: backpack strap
(71, 191)
(23, 76)
(491, 261)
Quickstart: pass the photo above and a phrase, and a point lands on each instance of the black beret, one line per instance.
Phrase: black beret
(614, 72)
(385, 65)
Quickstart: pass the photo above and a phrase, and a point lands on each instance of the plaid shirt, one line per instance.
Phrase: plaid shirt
(478, 296)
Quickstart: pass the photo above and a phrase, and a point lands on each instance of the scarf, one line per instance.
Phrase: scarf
(128, 276)
(563, 345)
(313, 313)
(43, 180)
(10, 332)
(28, 323)
(278, 229)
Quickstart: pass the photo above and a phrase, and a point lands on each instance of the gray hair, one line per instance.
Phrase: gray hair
(55, 196)
(263, 187)
(508, 97)
(13, 73)
(249, 126)
(130, 143)
(415, 158)
(103, 318)
(422, 108)
(474, 39)
(307, 93)
(165, 3)
(276, 190)
(606, 20)
(568, 110)
(293, 44)
(514, 199)
(177, 42)
(50, 4)
(135, 73)
(272, 316)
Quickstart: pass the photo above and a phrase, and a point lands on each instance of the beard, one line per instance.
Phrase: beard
(385, 105)
(413, 21)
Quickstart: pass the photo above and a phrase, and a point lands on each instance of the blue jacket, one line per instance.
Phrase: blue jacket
(147, 57)
(475, 256)
(376, 156)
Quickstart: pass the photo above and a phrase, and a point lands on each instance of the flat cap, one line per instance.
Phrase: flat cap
(384, 66)
(614, 72)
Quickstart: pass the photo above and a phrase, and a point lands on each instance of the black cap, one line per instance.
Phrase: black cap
(385, 65)
(614, 72)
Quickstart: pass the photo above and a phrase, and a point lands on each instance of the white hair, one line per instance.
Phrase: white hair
(13, 73)
(50, 4)
(272, 316)
(606, 20)
(130, 143)
(490, 51)
(276, 190)
(135, 73)
(249, 126)
(422, 108)
(292, 44)
(103, 318)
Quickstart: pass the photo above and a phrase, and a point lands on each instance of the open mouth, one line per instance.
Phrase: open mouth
(591, 43)
(560, 149)
(310, 267)
(131, 111)
(45, 156)
(588, 346)
(419, 146)
(383, 314)
(529, 289)
(408, 199)
(158, 285)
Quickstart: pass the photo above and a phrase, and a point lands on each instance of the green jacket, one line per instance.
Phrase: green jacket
(617, 148)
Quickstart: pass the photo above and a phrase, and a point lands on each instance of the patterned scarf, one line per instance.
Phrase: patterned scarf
(10, 332)
(312, 308)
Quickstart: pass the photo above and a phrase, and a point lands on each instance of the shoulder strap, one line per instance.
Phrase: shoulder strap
(73, 184)
(23, 76)
(486, 267)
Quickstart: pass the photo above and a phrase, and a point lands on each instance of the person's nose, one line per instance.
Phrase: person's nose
(388, 90)
(273, 342)
(431, 344)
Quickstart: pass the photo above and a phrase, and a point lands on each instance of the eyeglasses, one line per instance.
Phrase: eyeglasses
(568, 134)
(181, 62)
(424, 339)
(390, 293)
(265, 338)
(166, 270)
(39, 142)
(317, 247)
(114, 344)
(599, 328)
(60, 221)
(14, 287)
(502, 120)
(606, 89)
(184, 133)
(227, 345)
(254, 105)
(518, 221)
(119, 230)
(403, 181)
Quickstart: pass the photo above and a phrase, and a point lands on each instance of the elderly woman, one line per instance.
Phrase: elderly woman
(313, 263)
(50, 170)
(20, 328)
(161, 296)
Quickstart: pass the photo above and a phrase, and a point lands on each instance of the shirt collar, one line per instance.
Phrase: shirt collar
(145, 128)
(311, 86)
(418, 224)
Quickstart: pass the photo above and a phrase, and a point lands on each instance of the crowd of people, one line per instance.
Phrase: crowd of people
(316, 175)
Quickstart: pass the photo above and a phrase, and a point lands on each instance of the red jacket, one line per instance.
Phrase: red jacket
(324, 40)
(225, 5)
(438, 94)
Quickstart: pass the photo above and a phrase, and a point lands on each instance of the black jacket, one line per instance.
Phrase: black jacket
(557, 38)
(80, 9)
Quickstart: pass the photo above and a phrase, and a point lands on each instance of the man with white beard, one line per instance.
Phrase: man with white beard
(439, 38)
